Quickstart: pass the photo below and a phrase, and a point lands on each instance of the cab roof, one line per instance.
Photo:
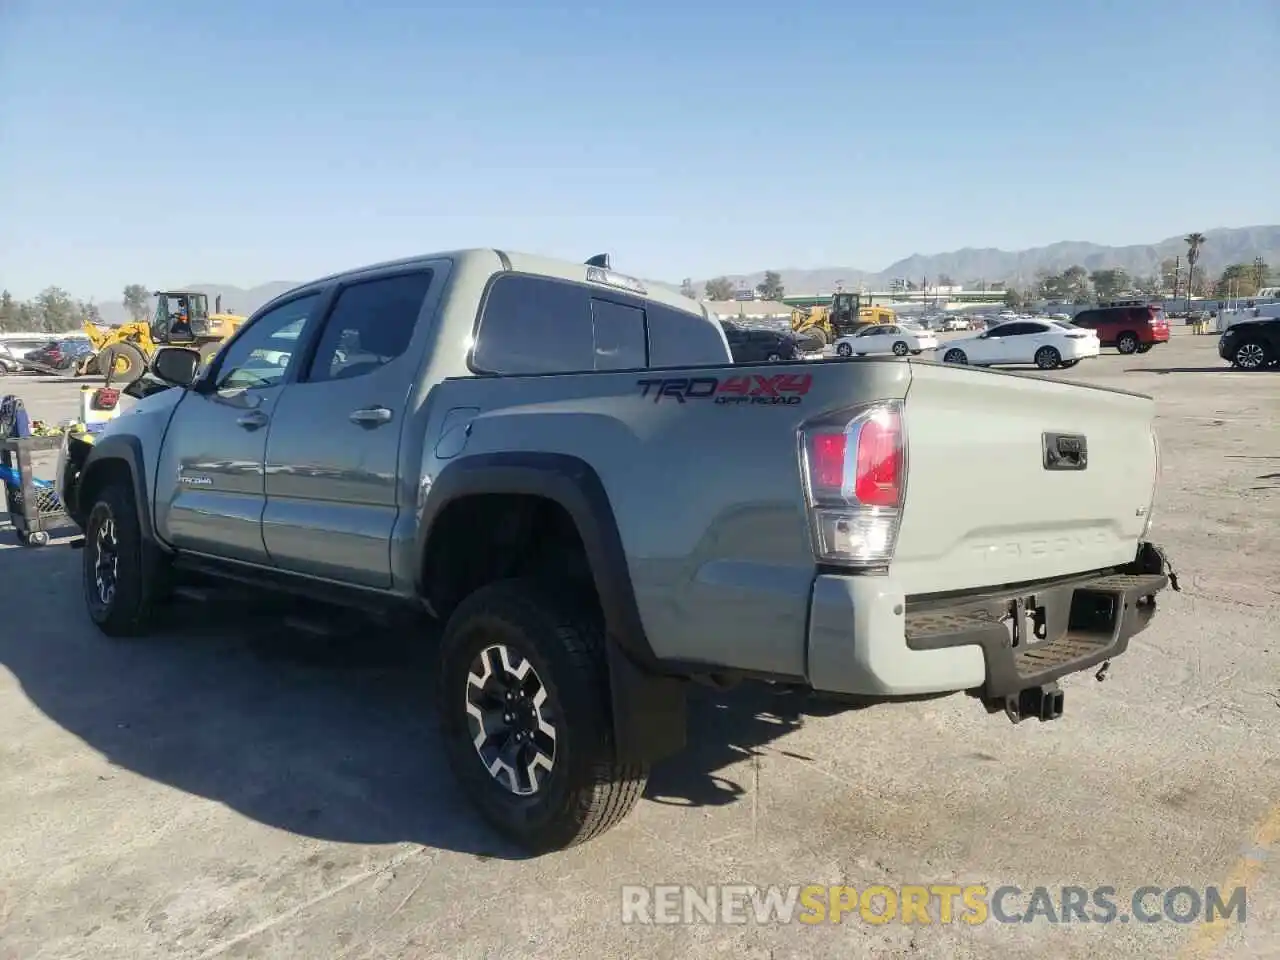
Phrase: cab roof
(519, 262)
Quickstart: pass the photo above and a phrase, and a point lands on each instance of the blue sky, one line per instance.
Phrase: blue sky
(240, 142)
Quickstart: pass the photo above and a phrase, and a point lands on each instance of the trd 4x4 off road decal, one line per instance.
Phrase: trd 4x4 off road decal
(755, 388)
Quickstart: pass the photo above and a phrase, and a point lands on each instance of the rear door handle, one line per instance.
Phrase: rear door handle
(252, 420)
(371, 416)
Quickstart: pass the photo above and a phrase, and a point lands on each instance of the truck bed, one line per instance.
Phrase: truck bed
(701, 469)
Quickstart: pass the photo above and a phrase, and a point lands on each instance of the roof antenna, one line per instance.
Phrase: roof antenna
(599, 260)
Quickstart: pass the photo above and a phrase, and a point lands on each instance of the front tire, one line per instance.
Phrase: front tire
(955, 356)
(122, 363)
(1048, 358)
(900, 349)
(1252, 355)
(844, 350)
(124, 578)
(1127, 343)
(525, 711)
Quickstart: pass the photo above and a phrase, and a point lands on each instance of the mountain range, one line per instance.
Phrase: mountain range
(1222, 247)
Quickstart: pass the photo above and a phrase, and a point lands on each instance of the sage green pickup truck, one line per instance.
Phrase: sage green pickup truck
(566, 469)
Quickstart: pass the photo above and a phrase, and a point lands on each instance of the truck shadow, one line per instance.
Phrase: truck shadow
(328, 737)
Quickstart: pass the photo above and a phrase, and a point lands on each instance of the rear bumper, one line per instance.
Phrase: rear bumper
(867, 640)
(1080, 349)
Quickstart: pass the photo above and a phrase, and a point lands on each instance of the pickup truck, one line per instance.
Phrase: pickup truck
(568, 471)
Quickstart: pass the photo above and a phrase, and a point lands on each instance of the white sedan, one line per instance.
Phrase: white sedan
(1048, 344)
(898, 339)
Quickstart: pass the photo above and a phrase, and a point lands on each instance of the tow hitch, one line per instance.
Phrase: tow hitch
(1042, 703)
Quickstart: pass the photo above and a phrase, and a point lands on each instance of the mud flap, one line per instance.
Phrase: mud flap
(650, 717)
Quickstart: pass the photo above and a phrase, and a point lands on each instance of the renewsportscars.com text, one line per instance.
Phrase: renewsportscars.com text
(920, 904)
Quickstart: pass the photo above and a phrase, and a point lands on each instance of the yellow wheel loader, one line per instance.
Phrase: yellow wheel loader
(181, 318)
(844, 315)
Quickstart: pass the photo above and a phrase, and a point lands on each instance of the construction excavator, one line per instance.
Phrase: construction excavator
(844, 315)
(181, 318)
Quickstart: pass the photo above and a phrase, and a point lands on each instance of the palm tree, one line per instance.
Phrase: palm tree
(1194, 242)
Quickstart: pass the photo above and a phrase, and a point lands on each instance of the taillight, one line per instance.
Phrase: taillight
(854, 466)
(105, 398)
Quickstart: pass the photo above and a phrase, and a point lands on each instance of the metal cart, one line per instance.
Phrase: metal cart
(34, 508)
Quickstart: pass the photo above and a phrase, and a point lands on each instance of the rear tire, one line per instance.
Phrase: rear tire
(1048, 358)
(122, 363)
(955, 355)
(900, 349)
(844, 350)
(1252, 355)
(526, 664)
(1127, 343)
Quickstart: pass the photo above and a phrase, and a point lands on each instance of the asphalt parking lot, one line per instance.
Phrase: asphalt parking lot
(239, 790)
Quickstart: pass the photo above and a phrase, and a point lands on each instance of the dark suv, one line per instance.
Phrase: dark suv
(1129, 327)
(759, 344)
(1251, 344)
(58, 356)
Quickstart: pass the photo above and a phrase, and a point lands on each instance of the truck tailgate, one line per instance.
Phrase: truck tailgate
(987, 500)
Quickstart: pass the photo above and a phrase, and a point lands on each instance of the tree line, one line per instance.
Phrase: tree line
(55, 311)
(1174, 277)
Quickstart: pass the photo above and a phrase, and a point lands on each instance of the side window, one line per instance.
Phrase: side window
(619, 337)
(370, 325)
(679, 338)
(260, 356)
(1087, 318)
(535, 325)
(1010, 330)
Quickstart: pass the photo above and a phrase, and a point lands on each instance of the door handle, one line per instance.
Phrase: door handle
(370, 416)
(252, 420)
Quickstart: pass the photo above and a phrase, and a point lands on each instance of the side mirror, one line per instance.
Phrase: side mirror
(176, 365)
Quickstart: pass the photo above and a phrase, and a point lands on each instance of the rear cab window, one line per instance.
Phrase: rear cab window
(536, 325)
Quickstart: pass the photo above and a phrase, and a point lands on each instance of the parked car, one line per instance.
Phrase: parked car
(501, 458)
(896, 338)
(19, 347)
(1130, 329)
(1047, 344)
(58, 356)
(760, 344)
(952, 324)
(8, 362)
(1251, 344)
